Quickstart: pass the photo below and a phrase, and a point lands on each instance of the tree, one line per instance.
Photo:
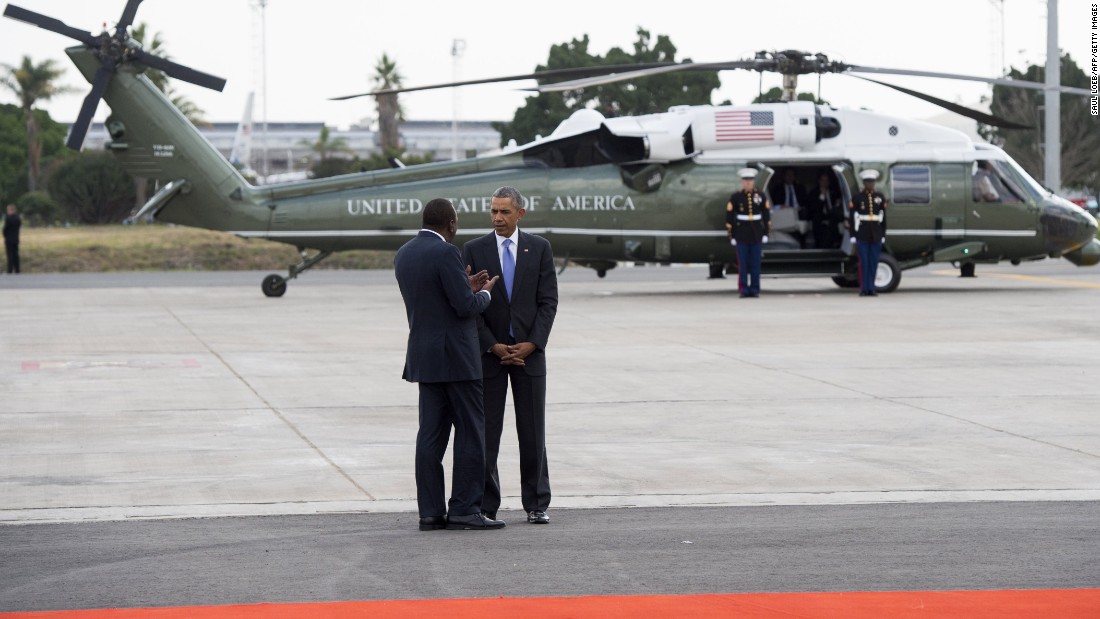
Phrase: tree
(93, 189)
(326, 145)
(326, 165)
(1080, 131)
(543, 112)
(775, 95)
(390, 113)
(13, 152)
(31, 83)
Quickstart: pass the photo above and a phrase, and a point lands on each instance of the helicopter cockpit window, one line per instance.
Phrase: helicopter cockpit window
(1010, 187)
(911, 184)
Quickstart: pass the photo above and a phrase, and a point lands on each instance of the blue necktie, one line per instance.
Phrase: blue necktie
(508, 266)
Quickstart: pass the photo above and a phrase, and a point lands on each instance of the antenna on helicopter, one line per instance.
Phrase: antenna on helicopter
(113, 51)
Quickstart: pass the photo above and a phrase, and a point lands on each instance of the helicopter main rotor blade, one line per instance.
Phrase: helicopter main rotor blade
(981, 117)
(538, 75)
(180, 72)
(49, 23)
(87, 110)
(607, 79)
(640, 73)
(968, 78)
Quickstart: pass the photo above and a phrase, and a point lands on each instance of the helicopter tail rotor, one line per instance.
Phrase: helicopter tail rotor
(112, 51)
(88, 108)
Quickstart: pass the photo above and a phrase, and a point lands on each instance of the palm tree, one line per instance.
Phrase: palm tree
(387, 76)
(327, 145)
(31, 83)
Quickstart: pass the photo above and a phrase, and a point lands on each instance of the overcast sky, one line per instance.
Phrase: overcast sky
(325, 48)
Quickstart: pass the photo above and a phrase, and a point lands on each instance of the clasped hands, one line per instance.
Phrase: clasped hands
(513, 354)
(480, 281)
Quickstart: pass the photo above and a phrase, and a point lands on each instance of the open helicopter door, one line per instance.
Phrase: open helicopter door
(846, 180)
(764, 177)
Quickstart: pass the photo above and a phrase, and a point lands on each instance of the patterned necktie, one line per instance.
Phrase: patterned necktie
(508, 266)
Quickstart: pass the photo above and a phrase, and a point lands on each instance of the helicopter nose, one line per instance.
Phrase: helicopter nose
(1066, 228)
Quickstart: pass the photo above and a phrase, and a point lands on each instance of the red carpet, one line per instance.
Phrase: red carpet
(1060, 604)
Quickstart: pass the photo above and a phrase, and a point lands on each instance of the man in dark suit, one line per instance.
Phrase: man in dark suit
(442, 301)
(513, 333)
(826, 209)
(789, 194)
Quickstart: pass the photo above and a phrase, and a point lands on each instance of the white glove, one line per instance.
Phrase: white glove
(764, 239)
(883, 242)
(733, 242)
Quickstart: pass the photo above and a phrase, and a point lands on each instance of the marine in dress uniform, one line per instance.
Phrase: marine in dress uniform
(748, 222)
(868, 210)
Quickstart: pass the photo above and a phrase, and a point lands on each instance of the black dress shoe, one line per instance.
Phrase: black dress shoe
(473, 521)
(537, 517)
(489, 515)
(431, 523)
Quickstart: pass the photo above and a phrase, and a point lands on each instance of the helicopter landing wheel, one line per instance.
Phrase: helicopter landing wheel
(966, 269)
(888, 274)
(601, 273)
(274, 286)
(717, 271)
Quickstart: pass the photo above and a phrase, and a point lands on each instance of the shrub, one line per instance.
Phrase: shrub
(39, 209)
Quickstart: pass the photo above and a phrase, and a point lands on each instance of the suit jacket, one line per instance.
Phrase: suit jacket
(779, 195)
(534, 299)
(442, 312)
(829, 210)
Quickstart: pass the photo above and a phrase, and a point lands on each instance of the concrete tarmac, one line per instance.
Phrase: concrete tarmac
(176, 395)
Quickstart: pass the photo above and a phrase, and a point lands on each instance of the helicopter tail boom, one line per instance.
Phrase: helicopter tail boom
(151, 138)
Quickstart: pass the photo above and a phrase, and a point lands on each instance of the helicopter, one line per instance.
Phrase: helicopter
(649, 188)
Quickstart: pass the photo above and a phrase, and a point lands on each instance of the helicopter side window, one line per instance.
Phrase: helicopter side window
(911, 184)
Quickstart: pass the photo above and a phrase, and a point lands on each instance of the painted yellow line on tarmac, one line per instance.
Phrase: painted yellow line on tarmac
(1049, 280)
(1032, 278)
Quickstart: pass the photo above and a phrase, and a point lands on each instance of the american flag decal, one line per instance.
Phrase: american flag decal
(743, 126)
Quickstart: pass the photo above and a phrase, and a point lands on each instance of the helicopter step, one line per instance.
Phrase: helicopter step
(275, 285)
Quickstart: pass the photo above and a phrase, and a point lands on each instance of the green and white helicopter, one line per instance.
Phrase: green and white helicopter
(604, 190)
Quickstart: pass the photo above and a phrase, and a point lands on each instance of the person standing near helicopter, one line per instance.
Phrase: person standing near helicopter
(869, 230)
(748, 223)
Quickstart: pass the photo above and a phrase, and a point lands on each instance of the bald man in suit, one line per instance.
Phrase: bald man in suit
(442, 301)
(513, 334)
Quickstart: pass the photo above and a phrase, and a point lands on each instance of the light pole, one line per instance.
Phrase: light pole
(260, 7)
(457, 48)
(1052, 158)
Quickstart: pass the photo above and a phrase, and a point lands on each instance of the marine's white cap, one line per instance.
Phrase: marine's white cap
(747, 173)
(869, 175)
